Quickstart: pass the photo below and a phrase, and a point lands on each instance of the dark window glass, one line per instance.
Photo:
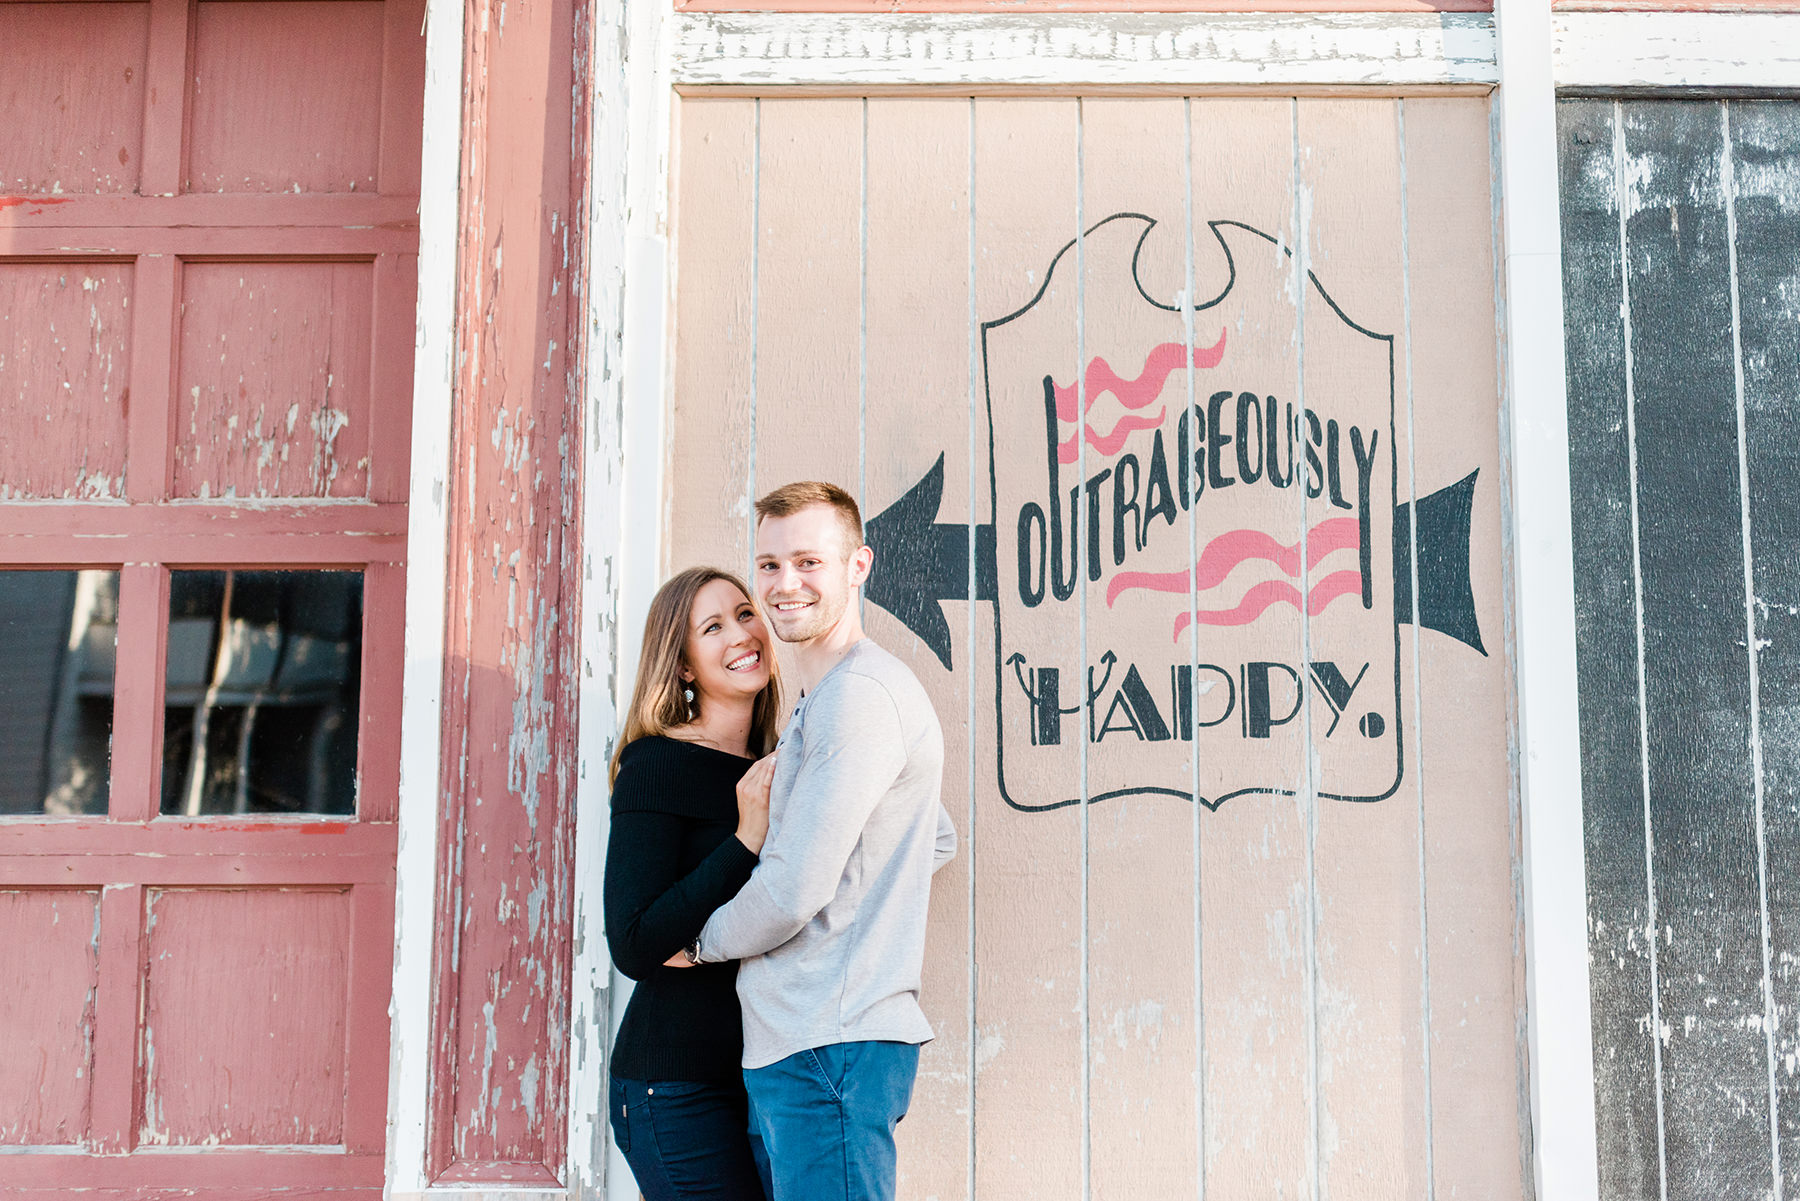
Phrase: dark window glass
(261, 692)
(60, 634)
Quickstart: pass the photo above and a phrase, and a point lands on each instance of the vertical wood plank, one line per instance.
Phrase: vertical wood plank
(501, 1048)
(918, 408)
(710, 422)
(136, 788)
(1626, 1076)
(402, 96)
(118, 1080)
(808, 287)
(371, 964)
(395, 302)
(1029, 1124)
(1765, 150)
(383, 668)
(149, 397)
(1461, 714)
(1141, 851)
(165, 98)
(1369, 959)
(1715, 1084)
(1252, 874)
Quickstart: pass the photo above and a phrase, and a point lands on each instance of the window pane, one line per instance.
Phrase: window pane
(261, 692)
(60, 630)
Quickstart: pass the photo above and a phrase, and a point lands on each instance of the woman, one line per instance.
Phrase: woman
(690, 809)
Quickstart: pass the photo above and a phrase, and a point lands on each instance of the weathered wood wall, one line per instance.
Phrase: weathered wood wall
(498, 1096)
(1185, 947)
(1682, 273)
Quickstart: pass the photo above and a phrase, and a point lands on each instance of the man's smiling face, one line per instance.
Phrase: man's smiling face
(806, 570)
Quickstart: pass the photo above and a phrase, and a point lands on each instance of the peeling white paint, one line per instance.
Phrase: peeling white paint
(415, 901)
(1188, 49)
(1677, 49)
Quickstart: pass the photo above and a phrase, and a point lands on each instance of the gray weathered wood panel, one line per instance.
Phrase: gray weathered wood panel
(1765, 154)
(1606, 602)
(1685, 528)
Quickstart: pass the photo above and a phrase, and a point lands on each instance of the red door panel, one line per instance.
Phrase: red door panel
(69, 322)
(207, 260)
(51, 934)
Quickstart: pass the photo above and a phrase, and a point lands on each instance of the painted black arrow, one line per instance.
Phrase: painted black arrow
(1446, 598)
(920, 563)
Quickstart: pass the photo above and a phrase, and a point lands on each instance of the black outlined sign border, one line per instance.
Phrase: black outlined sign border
(1216, 227)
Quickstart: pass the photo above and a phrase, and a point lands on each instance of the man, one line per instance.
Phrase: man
(831, 926)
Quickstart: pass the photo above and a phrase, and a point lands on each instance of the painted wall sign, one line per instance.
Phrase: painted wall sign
(1007, 324)
(1296, 568)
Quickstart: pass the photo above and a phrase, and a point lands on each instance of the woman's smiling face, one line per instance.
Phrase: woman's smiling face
(727, 649)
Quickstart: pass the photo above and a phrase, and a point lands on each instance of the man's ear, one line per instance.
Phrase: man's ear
(862, 562)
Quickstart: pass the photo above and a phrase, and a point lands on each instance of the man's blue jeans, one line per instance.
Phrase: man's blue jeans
(827, 1119)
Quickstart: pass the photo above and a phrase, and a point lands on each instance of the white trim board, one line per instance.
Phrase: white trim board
(427, 541)
(1117, 49)
(1540, 558)
(1677, 50)
(1223, 50)
(626, 313)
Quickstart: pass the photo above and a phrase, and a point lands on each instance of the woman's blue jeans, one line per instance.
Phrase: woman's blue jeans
(827, 1119)
(686, 1140)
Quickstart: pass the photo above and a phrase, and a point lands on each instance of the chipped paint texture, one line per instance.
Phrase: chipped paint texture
(501, 1034)
(266, 118)
(64, 355)
(1743, 49)
(216, 986)
(1122, 48)
(243, 1034)
(52, 941)
(79, 70)
(272, 397)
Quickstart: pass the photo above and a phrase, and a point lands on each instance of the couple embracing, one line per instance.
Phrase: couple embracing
(770, 896)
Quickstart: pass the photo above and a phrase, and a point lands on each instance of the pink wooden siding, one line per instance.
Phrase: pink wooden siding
(1273, 990)
(207, 257)
(49, 1009)
(69, 322)
(918, 385)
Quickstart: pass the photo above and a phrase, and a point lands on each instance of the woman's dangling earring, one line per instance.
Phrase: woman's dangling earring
(687, 694)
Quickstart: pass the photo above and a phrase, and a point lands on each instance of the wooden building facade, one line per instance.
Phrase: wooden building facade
(1324, 462)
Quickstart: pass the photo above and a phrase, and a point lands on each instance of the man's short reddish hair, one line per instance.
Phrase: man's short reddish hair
(789, 499)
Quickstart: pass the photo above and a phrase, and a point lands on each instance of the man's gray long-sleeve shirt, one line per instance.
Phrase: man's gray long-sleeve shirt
(831, 926)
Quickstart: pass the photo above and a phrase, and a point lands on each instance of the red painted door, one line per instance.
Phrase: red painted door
(208, 244)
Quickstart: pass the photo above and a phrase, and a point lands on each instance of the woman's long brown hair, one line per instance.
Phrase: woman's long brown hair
(657, 705)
